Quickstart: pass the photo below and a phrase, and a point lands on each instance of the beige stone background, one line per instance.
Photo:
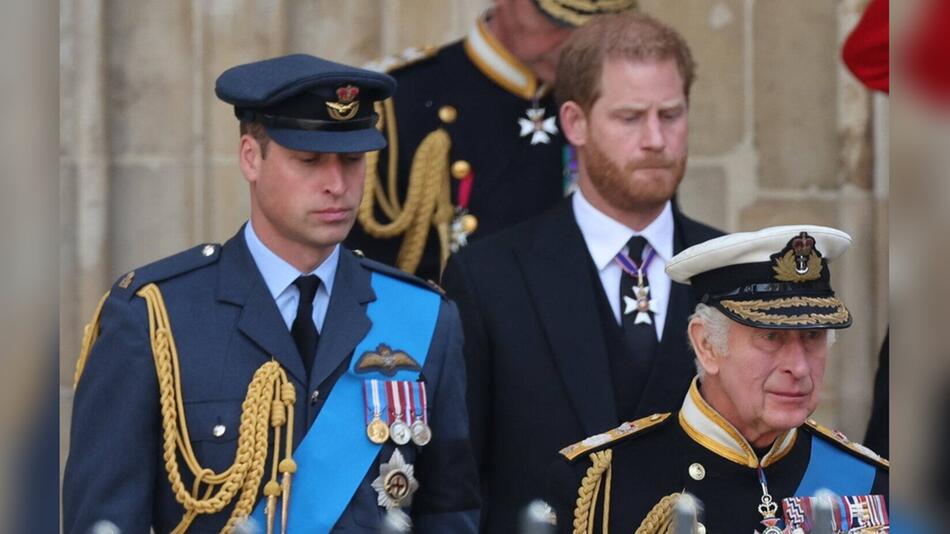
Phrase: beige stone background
(781, 133)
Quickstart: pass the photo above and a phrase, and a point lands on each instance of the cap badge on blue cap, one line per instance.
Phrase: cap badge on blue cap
(346, 106)
(799, 261)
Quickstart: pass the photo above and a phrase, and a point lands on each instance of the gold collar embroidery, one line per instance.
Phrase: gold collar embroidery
(496, 62)
(711, 430)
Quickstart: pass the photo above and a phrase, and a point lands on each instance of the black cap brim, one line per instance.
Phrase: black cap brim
(365, 140)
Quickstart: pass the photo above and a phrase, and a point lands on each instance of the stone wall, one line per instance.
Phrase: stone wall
(780, 134)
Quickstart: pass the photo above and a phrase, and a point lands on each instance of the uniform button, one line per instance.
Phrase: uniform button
(207, 250)
(461, 169)
(697, 471)
(218, 430)
(700, 528)
(448, 114)
(315, 396)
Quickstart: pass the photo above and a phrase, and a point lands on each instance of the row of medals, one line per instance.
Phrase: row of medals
(399, 431)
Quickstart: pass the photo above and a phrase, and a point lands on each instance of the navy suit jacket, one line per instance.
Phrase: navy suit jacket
(226, 325)
(538, 370)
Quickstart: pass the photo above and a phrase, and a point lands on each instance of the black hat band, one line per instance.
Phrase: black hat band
(293, 123)
(770, 289)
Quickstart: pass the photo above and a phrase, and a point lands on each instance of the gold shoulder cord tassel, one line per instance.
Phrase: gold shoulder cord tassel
(586, 504)
(428, 199)
(269, 403)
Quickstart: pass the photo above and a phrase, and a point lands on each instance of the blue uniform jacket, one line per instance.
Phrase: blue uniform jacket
(226, 325)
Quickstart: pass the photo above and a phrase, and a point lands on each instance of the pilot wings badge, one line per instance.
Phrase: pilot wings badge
(387, 361)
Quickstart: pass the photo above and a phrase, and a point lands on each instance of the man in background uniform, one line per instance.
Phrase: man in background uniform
(742, 440)
(279, 376)
(474, 144)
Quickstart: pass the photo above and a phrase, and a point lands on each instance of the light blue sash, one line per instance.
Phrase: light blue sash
(834, 469)
(335, 454)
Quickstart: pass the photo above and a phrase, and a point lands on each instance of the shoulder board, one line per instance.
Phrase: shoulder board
(613, 436)
(166, 268)
(409, 56)
(842, 441)
(398, 274)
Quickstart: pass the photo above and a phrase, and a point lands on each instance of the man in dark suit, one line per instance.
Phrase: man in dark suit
(571, 324)
(280, 378)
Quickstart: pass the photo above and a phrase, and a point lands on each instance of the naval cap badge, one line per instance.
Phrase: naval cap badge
(799, 261)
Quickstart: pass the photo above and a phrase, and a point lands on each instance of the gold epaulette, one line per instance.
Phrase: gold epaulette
(843, 442)
(612, 436)
(413, 54)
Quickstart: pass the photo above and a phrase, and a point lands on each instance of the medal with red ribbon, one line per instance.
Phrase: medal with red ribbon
(421, 432)
(398, 429)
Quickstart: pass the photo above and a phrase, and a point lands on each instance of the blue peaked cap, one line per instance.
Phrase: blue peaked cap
(308, 103)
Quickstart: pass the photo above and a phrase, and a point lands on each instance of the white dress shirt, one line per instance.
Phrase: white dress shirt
(605, 237)
(280, 275)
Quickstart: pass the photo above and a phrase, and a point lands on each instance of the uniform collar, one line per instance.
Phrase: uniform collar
(496, 62)
(605, 237)
(711, 430)
(278, 274)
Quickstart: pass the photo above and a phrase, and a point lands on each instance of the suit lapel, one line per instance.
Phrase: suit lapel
(346, 321)
(672, 358)
(557, 273)
(241, 283)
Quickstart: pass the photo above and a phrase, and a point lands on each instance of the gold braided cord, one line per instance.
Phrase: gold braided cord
(259, 411)
(423, 182)
(392, 140)
(89, 335)
(660, 518)
(753, 310)
(430, 173)
(585, 508)
(427, 201)
(387, 121)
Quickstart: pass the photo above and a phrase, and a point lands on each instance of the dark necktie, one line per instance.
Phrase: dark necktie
(640, 337)
(303, 330)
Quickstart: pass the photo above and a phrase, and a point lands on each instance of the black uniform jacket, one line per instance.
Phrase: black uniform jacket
(537, 362)
(668, 453)
(512, 179)
(226, 325)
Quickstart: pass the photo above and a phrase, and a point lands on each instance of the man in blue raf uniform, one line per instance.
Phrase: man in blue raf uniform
(743, 441)
(279, 379)
(474, 142)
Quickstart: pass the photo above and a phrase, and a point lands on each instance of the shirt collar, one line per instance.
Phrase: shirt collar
(278, 274)
(707, 427)
(605, 237)
(496, 62)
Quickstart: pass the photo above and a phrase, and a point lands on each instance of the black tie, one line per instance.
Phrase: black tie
(303, 330)
(640, 338)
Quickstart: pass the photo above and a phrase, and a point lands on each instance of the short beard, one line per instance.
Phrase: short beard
(618, 187)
